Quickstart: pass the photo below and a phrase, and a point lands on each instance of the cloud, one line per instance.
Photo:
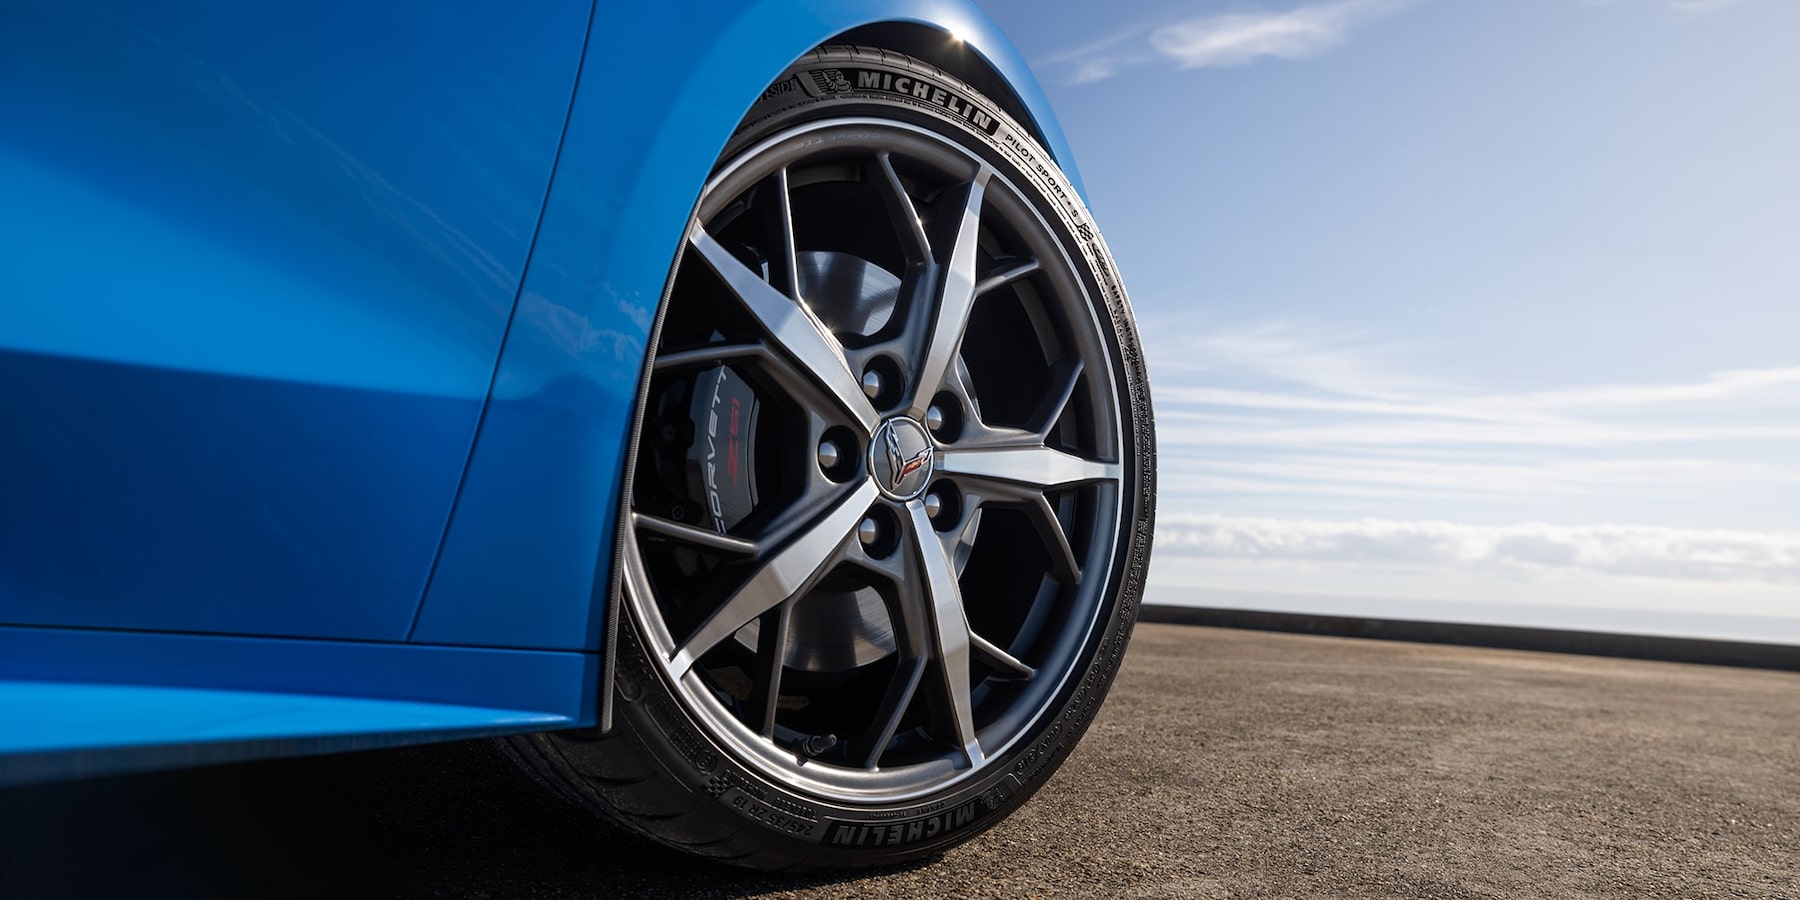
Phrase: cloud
(1699, 7)
(1768, 557)
(1239, 38)
(1336, 362)
(1315, 475)
(1236, 40)
(1479, 434)
(1277, 384)
(1679, 9)
(1289, 419)
(1103, 58)
(1231, 39)
(1717, 386)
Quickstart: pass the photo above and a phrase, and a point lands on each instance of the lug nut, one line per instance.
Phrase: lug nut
(828, 455)
(871, 384)
(868, 532)
(934, 504)
(934, 418)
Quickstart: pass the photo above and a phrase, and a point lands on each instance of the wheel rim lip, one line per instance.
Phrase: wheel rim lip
(902, 783)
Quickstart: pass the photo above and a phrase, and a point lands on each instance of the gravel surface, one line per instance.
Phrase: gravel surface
(1226, 764)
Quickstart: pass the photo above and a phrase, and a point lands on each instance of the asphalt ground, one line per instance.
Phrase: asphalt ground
(1226, 764)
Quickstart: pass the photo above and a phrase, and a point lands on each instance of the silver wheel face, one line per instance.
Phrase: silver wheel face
(876, 507)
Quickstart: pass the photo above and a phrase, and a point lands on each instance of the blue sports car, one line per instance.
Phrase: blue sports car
(730, 406)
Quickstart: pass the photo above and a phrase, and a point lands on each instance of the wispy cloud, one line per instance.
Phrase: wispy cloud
(1228, 39)
(1282, 383)
(1239, 38)
(1318, 474)
(1347, 370)
(1331, 361)
(1290, 419)
(1682, 9)
(1768, 557)
(1700, 7)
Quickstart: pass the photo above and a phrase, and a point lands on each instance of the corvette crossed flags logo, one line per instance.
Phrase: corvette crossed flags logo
(900, 464)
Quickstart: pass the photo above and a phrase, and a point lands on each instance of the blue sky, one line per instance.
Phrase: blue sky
(1483, 311)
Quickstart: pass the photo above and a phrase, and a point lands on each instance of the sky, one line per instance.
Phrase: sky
(1461, 311)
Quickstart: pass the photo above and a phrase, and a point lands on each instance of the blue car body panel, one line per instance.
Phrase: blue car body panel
(251, 305)
(320, 330)
(87, 702)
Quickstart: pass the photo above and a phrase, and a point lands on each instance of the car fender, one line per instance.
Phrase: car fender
(528, 555)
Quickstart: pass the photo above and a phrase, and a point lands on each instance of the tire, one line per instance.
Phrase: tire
(882, 550)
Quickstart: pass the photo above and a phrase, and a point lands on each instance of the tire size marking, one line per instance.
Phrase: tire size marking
(755, 810)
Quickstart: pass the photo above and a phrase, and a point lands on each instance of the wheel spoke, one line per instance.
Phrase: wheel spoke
(1037, 467)
(784, 212)
(1013, 272)
(1064, 566)
(902, 212)
(1001, 659)
(950, 629)
(1063, 379)
(955, 296)
(707, 356)
(711, 540)
(893, 706)
(1023, 474)
(789, 324)
(791, 571)
(771, 654)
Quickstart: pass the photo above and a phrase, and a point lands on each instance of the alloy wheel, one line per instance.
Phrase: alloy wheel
(877, 498)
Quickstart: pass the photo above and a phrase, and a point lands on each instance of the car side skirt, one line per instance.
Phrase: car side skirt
(85, 702)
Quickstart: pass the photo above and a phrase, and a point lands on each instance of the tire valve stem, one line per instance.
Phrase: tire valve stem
(818, 745)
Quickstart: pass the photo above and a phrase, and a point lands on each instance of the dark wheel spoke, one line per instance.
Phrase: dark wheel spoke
(1064, 378)
(1039, 510)
(771, 651)
(784, 213)
(1011, 272)
(902, 214)
(1000, 659)
(899, 696)
(1064, 566)
(699, 537)
(1023, 474)
(710, 355)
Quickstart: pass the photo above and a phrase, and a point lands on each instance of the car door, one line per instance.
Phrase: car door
(256, 264)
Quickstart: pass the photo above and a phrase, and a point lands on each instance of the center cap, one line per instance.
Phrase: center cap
(900, 458)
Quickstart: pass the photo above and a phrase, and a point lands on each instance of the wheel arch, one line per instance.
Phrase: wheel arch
(527, 559)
